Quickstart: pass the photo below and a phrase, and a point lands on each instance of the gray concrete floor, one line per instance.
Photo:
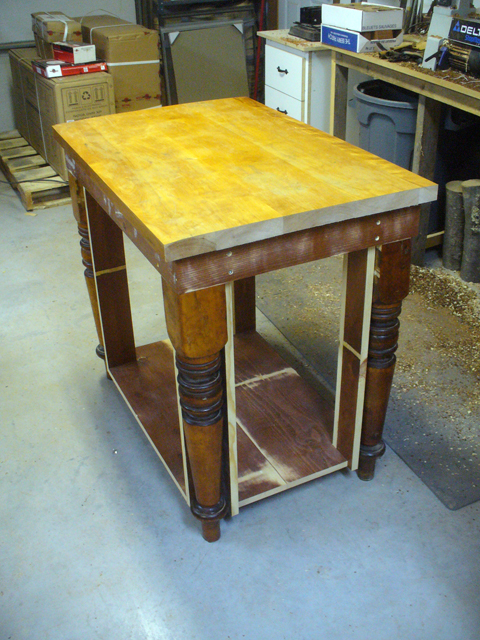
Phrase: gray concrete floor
(96, 542)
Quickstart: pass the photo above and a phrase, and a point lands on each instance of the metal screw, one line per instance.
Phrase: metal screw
(377, 238)
(229, 254)
(378, 222)
(115, 452)
(230, 273)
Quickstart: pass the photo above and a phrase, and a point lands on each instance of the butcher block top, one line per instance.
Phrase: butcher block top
(206, 176)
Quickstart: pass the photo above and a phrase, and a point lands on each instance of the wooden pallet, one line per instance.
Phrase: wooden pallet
(38, 185)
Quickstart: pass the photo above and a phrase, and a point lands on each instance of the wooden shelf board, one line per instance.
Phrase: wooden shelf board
(284, 426)
(148, 386)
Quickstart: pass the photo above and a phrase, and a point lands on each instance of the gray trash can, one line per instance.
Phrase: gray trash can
(387, 117)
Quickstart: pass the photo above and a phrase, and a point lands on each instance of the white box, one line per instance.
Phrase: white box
(74, 52)
(362, 17)
(356, 42)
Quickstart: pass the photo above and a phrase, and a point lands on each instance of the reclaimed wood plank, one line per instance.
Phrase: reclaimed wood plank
(12, 143)
(289, 250)
(6, 135)
(148, 386)
(108, 254)
(256, 475)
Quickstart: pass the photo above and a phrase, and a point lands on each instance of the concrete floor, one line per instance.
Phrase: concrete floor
(96, 542)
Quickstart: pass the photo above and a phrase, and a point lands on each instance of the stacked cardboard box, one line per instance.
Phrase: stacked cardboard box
(361, 27)
(132, 56)
(41, 102)
(53, 26)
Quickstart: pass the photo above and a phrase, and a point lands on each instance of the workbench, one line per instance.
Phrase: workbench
(432, 88)
(213, 194)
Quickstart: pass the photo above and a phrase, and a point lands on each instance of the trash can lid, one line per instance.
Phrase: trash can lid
(383, 93)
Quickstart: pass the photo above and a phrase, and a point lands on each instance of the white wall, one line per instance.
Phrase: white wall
(16, 25)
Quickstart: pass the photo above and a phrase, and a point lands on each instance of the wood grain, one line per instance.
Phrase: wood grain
(281, 414)
(244, 307)
(254, 357)
(206, 176)
(196, 321)
(255, 474)
(292, 249)
(148, 386)
(108, 255)
(429, 118)
(347, 408)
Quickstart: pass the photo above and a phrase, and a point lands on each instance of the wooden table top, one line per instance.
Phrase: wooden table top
(206, 176)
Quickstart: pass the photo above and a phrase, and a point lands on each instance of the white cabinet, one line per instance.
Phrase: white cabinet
(298, 83)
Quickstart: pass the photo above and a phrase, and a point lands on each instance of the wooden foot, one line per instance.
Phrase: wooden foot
(211, 530)
(368, 458)
(390, 287)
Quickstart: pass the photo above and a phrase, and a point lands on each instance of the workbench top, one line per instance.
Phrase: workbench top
(201, 177)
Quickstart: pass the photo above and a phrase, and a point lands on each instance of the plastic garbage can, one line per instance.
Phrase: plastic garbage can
(387, 116)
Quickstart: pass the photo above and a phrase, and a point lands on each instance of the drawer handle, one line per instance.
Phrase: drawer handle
(285, 112)
(285, 71)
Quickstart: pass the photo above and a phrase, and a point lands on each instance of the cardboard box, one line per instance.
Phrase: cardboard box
(362, 17)
(44, 102)
(132, 55)
(59, 69)
(74, 52)
(67, 99)
(22, 86)
(53, 26)
(359, 42)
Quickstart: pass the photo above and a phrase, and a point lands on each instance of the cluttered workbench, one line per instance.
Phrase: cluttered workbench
(434, 89)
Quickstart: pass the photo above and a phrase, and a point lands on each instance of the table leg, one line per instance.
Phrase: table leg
(110, 272)
(245, 308)
(79, 211)
(338, 99)
(197, 326)
(424, 159)
(390, 288)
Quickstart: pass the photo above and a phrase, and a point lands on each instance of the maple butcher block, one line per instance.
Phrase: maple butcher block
(214, 193)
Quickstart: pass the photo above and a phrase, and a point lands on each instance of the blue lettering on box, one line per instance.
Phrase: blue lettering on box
(338, 38)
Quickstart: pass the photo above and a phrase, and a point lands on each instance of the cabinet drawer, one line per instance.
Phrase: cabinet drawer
(281, 102)
(284, 71)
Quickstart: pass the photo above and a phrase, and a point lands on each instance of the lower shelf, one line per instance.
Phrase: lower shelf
(283, 426)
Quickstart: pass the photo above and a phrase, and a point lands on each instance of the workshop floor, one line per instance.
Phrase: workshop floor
(96, 542)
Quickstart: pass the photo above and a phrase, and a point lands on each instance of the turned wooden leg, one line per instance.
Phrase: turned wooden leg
(197, 326)
(390, 288)
(200, 387)
(79, 211)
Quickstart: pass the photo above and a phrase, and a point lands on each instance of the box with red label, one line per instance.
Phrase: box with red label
(74, 52)
(42, 102)
(59, 69)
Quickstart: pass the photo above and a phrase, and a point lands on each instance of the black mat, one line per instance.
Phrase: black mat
(434, 412)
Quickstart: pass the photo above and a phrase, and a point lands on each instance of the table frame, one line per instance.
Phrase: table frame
(209, 304)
